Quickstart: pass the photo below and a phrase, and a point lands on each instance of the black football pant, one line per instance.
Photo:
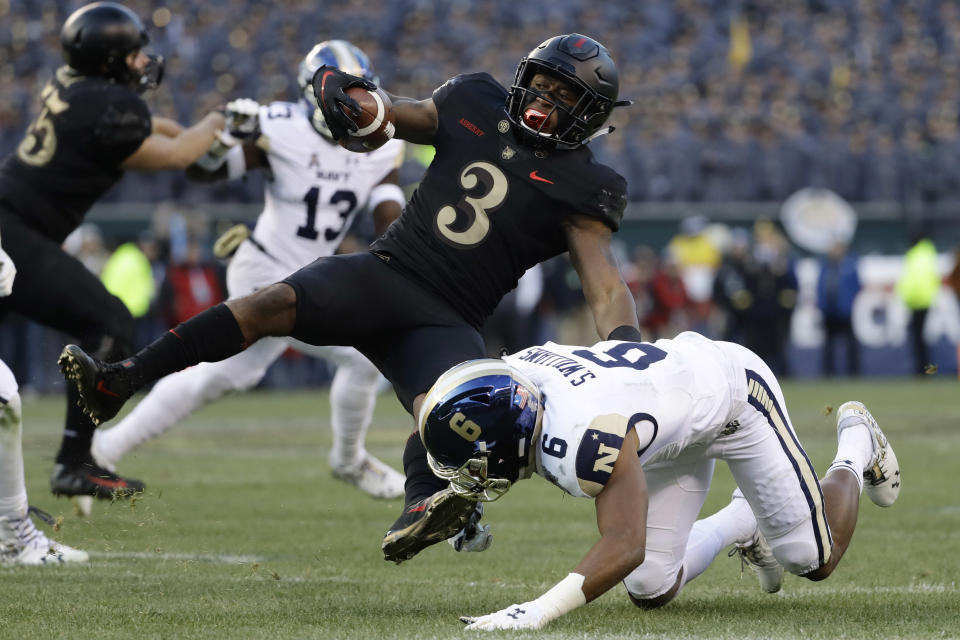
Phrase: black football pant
(411, 334)
(55, 289)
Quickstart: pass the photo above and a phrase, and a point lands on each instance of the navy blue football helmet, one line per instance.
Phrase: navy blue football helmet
(479, 423)
(334, 53)
(585, 64)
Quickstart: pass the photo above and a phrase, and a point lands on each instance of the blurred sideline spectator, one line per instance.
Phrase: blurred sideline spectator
(192, 284)
(732, 299)
(669, 312)
(772, 284)
(918, 287)
(128, 274)
(697, 258)
(837, 286)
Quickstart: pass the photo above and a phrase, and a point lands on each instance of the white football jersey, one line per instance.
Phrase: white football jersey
(317, 186)
(675, 393)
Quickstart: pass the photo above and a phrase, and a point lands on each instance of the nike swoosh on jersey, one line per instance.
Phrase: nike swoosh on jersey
(534, 176)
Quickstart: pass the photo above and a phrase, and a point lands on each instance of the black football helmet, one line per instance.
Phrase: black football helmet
(585, 64)
(97, 38)
(480, 423)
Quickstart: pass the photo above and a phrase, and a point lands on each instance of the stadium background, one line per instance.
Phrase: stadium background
(738, 106)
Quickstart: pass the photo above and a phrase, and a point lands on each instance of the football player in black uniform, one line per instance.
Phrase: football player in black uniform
(93, 125)
(512, 184)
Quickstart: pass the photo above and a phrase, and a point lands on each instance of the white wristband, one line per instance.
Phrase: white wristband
(565, 596)
(236, 162)
(384, 192)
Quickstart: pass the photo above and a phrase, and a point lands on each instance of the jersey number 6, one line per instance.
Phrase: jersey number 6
(467, 223)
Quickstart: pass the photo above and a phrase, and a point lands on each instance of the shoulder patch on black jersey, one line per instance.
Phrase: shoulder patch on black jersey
(598, 452)
(609, 201)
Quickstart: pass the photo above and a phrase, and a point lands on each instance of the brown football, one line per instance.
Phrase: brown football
(375, 123)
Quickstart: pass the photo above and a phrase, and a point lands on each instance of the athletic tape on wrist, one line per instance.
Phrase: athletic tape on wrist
(236, 162)
(565, 596)
(385, 192)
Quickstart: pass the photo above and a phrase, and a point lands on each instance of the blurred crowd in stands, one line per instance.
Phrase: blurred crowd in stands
(736, 100)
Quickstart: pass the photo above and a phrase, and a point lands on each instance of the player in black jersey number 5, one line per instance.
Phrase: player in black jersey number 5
(92, 126)
(512, 184)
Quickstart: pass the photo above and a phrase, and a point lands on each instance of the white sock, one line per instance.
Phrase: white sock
(854, 451)
(13, 491)
(353, 396)
(708, 537)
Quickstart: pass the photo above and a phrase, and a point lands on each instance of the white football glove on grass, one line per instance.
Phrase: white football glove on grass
(528, 615)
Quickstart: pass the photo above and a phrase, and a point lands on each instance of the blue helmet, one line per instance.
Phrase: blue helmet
(334, 53)
(479, 423)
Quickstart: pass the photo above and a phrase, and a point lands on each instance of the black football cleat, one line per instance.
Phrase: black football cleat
(89, 479)
(101, 395)
(426, 522)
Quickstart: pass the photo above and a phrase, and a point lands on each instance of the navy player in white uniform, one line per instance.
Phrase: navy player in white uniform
(314, 191)
(512, 184)
(638, 427)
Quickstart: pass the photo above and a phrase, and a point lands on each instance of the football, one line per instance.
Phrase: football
(375, 123)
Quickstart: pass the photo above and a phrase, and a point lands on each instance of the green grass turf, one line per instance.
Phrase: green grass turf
(244, 534)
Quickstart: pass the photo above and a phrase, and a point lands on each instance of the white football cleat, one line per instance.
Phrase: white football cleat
(882, 473)
(757, 554)
(22, 544)
(371, 476)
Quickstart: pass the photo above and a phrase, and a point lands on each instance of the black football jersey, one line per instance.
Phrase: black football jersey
(489, 208)
(71, 154)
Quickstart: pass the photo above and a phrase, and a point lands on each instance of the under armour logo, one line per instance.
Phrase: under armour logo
(516, 613)
(730, 427)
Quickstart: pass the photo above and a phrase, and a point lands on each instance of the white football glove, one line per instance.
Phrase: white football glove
(474, 536)
(528, 615)
(241, 116)
(7, 274)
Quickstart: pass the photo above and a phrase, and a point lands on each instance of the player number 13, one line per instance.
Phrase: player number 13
(467, 223)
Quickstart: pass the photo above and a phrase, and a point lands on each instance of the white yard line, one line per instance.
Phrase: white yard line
(216, 558)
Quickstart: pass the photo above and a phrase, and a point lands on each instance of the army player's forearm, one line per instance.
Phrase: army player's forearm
(194, 141)
(416, 120)
(166, 126)
(616, 309)
(159, 152)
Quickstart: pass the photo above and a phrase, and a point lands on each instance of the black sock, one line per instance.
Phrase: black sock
(209, 336)
(420, 482)
(77, 432)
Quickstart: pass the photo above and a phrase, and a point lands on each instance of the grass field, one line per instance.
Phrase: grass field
(244, 534)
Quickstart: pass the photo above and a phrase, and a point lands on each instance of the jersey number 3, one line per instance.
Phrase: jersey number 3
(467, 223)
